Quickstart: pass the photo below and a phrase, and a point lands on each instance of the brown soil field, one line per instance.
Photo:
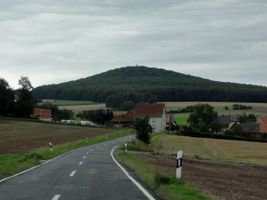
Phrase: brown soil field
(219, 180)
(26, 136)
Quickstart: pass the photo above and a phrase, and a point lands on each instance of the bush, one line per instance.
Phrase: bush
(143, 129)
(202, 116)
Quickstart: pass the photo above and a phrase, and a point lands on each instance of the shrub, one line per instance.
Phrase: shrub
(143, 129)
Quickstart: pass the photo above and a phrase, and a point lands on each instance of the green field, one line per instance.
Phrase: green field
(211, 149)
(181, 119)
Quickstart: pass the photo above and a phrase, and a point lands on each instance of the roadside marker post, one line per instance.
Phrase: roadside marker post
(50, 146)
(179, 164)
(125, 147)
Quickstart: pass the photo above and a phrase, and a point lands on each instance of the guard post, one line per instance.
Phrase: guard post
(179, 164)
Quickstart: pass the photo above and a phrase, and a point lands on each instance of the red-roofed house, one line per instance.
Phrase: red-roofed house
(155, 112)
(42, 114)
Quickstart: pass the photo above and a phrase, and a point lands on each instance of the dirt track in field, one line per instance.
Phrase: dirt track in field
(222, 181)
(26, 136)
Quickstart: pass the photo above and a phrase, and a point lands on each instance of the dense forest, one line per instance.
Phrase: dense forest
(123, 87)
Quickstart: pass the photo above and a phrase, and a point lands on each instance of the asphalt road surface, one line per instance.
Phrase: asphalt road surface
(84, 174)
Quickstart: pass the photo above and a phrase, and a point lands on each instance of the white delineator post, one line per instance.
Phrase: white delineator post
(179, 164)
(50, 146)
(125, 147)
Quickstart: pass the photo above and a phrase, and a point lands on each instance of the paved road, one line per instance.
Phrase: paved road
(85, 174)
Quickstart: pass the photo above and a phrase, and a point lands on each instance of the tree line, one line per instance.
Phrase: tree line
(123, 88)
(16, 103)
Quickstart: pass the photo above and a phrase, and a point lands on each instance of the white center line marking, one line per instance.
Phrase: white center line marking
(84, 157)
(87, 153)
(56, 197)
(73, 173)
(92, 149)
(80, 163)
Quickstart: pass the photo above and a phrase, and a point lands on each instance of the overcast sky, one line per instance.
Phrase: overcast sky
(53, 41)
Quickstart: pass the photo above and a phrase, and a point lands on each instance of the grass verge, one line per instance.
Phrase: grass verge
(15, 162)
(167, 187)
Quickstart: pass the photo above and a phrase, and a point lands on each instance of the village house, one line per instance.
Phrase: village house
(155, 112)
(255, 128)
(125, 120)
(42, 114)
(224, 122)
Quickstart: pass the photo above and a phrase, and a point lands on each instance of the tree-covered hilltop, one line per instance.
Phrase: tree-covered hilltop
(123, 87)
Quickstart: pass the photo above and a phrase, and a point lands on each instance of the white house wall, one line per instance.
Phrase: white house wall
(158, 123)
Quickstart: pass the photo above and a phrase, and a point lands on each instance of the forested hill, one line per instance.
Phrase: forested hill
(128, 85)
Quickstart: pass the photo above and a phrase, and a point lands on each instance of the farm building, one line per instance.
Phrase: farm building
(155, 112)
(224, 122)
(255, 128)
(42, 114)
(124, 120)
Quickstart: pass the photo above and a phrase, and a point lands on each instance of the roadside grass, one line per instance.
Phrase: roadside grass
(12, 163)
(167, 187)
(211, 149)
(137, 145)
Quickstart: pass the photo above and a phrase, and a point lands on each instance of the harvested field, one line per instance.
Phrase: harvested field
(18, 136)
(257, 108)
(79, 108)
(215, 104)
(211, 149)
(219, 180)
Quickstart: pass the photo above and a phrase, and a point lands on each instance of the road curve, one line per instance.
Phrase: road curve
(85, 174)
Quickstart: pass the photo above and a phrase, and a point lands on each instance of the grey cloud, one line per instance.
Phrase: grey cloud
(54, 41)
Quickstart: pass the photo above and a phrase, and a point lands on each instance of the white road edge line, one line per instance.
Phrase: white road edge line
(56, 197)
(138, 185)
(73, 173)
